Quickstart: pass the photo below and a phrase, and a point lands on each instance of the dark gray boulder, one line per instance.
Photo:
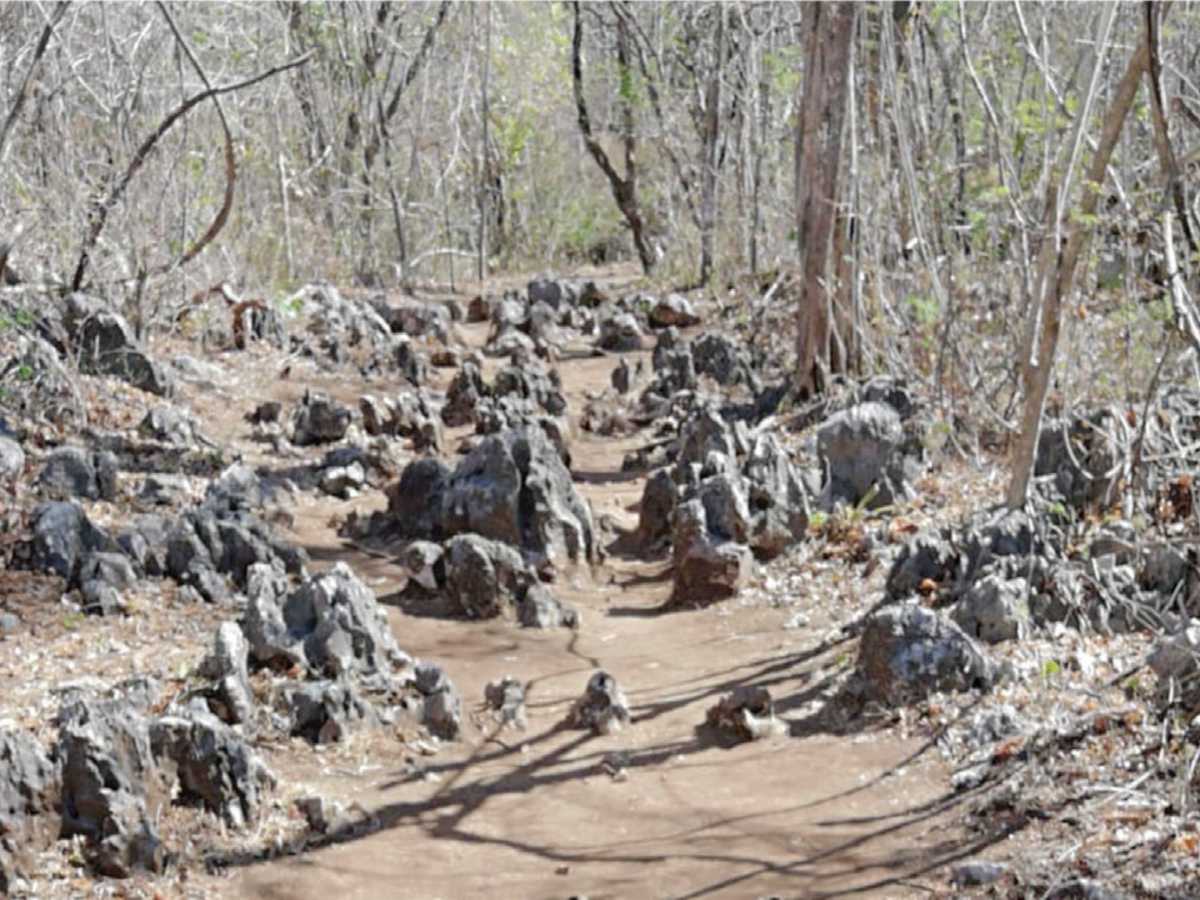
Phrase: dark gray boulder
(708, 566)
(164, 490)
(106, 345)
(513, 487)
(318, 419)
(415, 319)
(62, 536)
(995, 608)
(534, 383)
(506, 699)
(215, 767)
(441, 712)
(324, 712)
(620, 333)
(331, 625)
(540, 609)
(144, 541)
(238, 487)
(464, 395)
(112, 789)
(76, 472)
(718, 357)
(415, 499)
(484, 578)
(656, 510)
(30, 796)
(412, 364)
(104, 578)
(170, 425)
(777, 500)
(924, 557)
(546, 290)
(908, 652)
(1083, 455)
(864, 451)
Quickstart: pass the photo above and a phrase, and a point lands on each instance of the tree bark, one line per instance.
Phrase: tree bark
(624, 190)
(828, 30)
(712, 126)
(1057, 270)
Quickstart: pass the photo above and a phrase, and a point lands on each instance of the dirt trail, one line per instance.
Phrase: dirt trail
(658, 810)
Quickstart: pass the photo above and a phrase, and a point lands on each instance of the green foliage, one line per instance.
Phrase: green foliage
(924, 309)
(783, 68)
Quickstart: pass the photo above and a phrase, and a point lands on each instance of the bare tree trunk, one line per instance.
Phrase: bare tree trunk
(712, 125)
(828, 31)
(1057, 269)
(1162, 137)
(484, 168)
(624, 190)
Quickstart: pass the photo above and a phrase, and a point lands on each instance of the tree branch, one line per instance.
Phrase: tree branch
(100, 214)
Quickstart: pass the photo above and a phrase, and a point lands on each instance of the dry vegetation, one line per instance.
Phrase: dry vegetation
(1012, 236)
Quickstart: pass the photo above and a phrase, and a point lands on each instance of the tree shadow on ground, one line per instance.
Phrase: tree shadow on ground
(558, 754)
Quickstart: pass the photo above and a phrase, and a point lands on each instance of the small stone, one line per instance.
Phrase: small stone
(977, 872)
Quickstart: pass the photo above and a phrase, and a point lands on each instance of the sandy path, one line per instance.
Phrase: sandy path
(540, 813)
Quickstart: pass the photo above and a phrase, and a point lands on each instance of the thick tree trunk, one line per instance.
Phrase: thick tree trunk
(828, 30)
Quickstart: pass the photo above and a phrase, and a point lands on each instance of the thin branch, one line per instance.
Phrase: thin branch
(100, 213)
(38, 53)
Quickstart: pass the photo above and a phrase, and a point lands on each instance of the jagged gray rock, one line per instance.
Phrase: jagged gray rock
(602, 708)
(12, 458)
(464, 395)
(76, 472)
(62, 536)
(106, 345)
(485, 578)
(324, 712)
(655, 513)
(214, 766)
(331, 624)
(415, 499)
(227, 666)
(994, 608)
(720, 358)
(169, 424)
(112, 789)
(540, 609)
(776, 498)
(708, 566)
(319, 419)
(863, 449)
(513, 487)
(908, 652)
(925, 556)
(506, 699)
(30, 794)
(442, 710)
(620, 333)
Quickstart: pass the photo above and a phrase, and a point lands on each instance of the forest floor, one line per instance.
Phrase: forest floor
(839, 805)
